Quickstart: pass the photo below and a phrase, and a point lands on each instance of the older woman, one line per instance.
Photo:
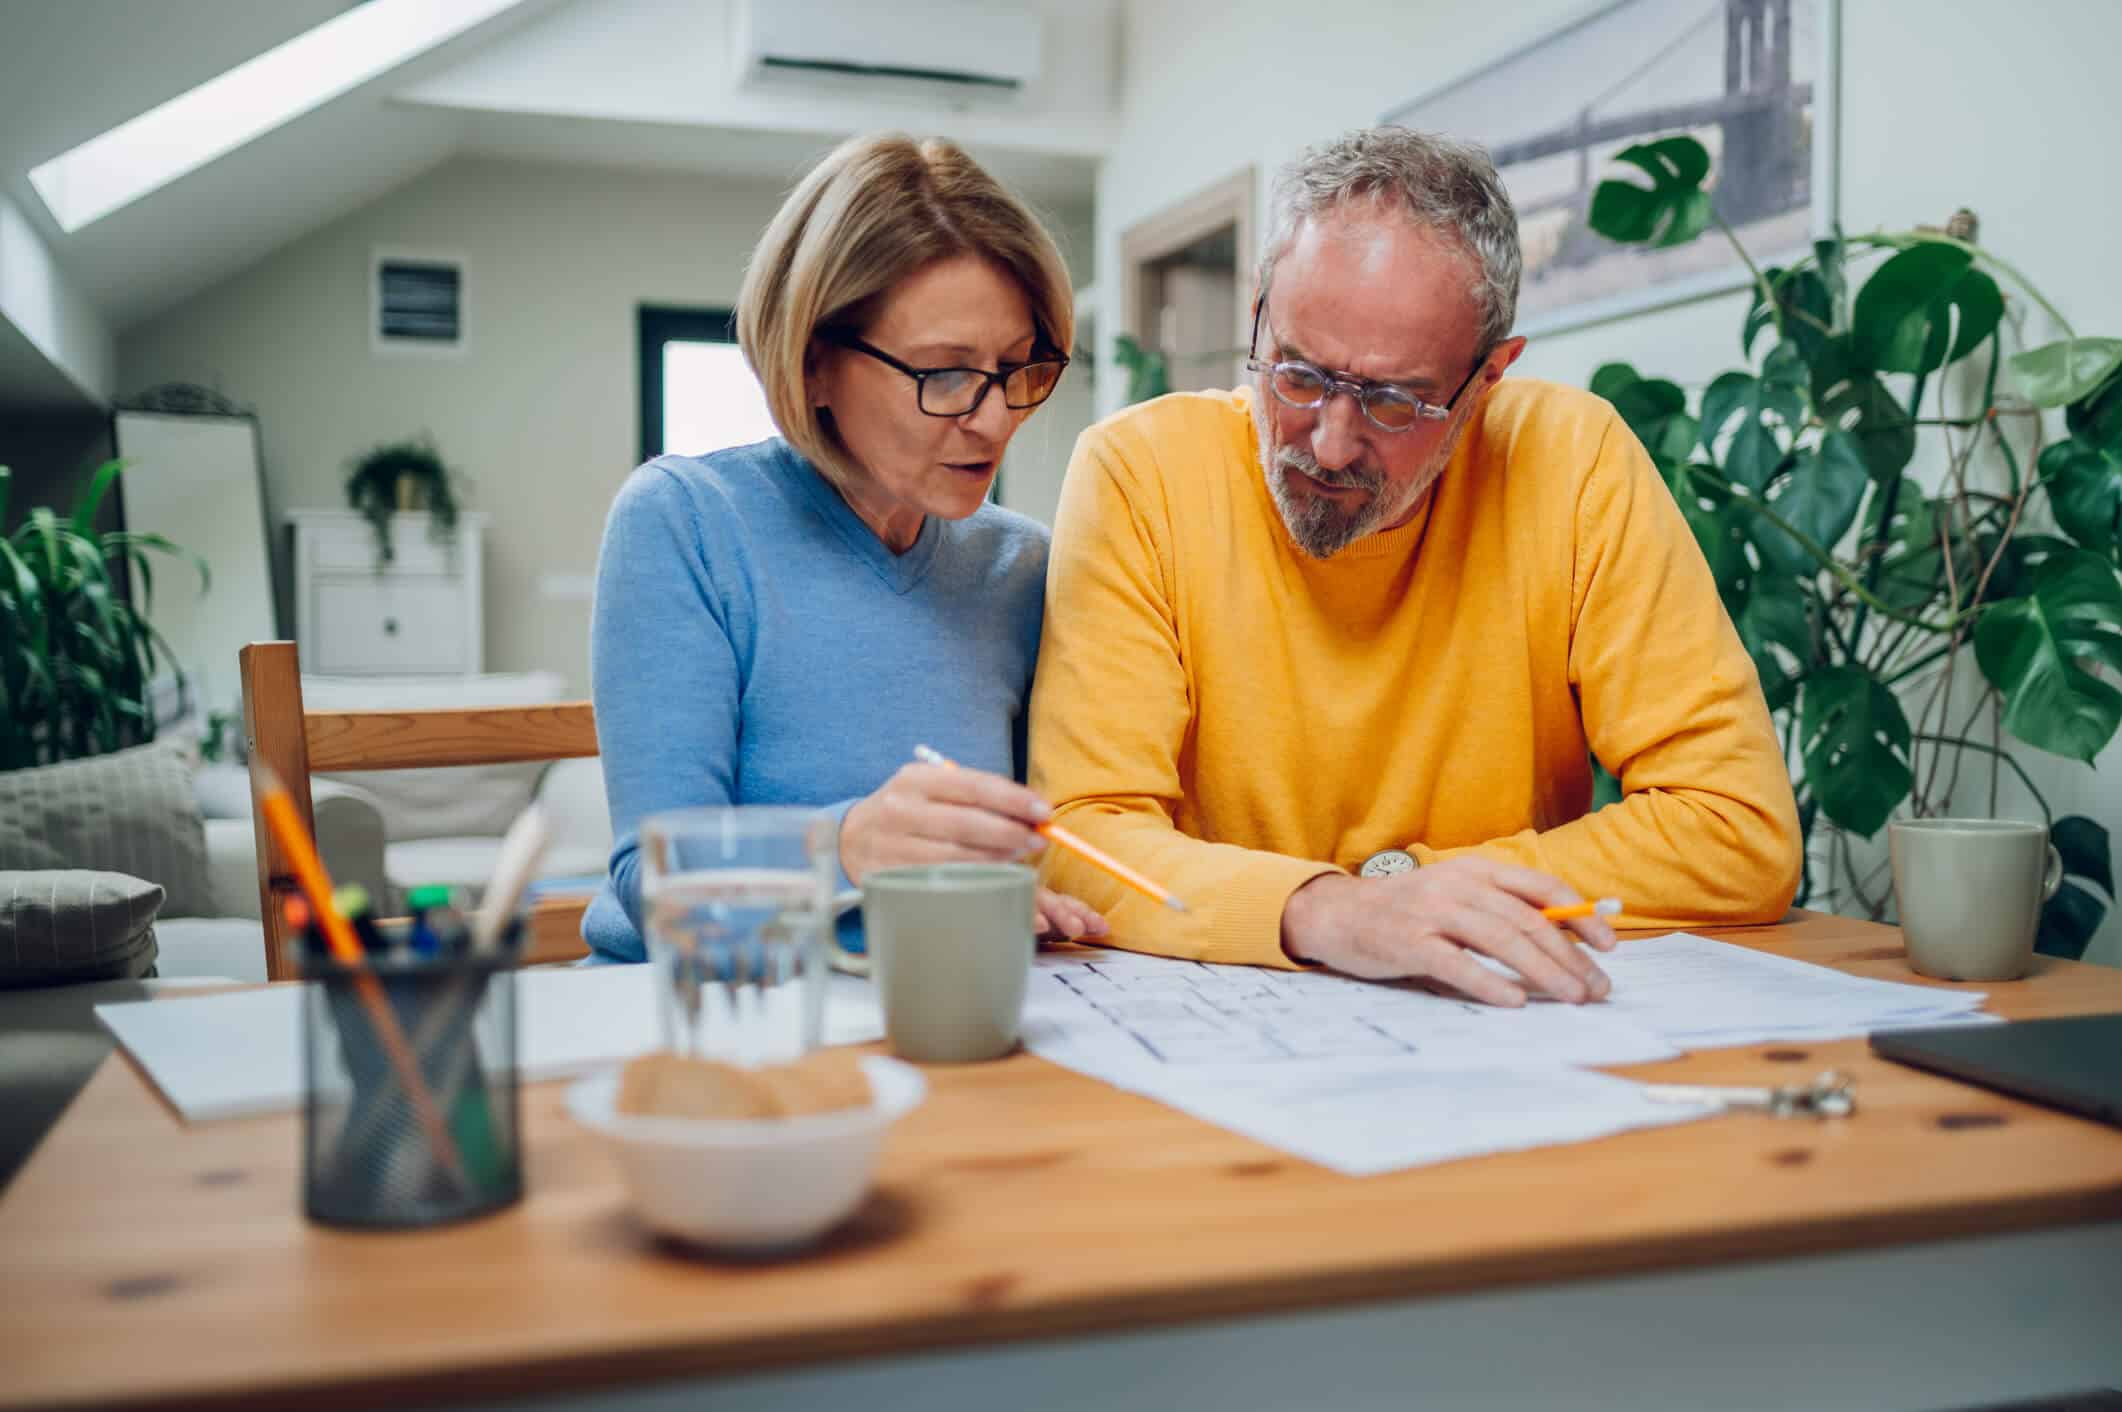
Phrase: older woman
(782, 623)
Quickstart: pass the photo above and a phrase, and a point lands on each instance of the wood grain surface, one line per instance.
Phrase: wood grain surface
(499, 735)
(151, 1263)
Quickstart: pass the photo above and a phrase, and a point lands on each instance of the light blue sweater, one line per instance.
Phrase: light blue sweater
(754, 642)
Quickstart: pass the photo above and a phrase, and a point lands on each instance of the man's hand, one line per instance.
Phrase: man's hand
(1424, 924)
(1065, 918)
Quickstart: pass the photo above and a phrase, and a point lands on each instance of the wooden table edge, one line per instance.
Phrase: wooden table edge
(1003, 1323)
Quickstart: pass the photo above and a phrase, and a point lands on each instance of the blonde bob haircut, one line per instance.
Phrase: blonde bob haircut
(875, 211)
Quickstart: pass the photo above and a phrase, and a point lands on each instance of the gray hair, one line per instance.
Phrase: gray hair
(1440, 182)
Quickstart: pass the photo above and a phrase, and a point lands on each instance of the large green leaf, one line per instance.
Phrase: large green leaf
(1655, 410)
(1819, 498)
(2066, 370)
(2031, 649)
(84, 519)
(1851, 397)
(1755, 450)
(2084, 484)
(2083, 845)
(1855, 743)
(1912, 564)
(2068, 921)
(1807, 302)
(1770, 615)
(2071, 917)
(2097, 417)
(1673, 210)
(1719, 525)
(2022, 554)
(1924, 308)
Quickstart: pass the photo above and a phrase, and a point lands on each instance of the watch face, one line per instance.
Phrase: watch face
(1386, 862)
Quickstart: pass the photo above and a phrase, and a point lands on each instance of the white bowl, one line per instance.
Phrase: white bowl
(749, 1184)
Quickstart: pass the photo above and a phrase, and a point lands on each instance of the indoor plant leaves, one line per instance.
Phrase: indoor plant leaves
(2030, 648)
(1673, 210)
(1924, 308)
(1855, 741)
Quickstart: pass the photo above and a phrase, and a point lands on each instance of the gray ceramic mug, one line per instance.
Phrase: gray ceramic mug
(1970, 893)
(950, 947)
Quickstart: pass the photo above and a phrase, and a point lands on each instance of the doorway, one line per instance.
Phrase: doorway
(1188, 272)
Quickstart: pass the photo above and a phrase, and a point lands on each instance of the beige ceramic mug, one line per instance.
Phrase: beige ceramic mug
(1970, 893)
(950, 949)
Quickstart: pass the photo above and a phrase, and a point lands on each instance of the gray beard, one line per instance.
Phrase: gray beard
(1319, 525)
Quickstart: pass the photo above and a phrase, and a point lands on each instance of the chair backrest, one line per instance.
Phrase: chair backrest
(290, 743)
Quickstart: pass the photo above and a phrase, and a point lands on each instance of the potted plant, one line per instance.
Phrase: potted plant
(1861, 593)
(402, 476)
(76, 659)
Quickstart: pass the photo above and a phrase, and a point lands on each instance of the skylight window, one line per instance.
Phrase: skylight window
(253, 98)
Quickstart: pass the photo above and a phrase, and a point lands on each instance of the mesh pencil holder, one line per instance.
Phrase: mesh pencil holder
(380, 1149)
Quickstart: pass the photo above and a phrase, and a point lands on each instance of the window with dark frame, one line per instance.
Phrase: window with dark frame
(697, 392)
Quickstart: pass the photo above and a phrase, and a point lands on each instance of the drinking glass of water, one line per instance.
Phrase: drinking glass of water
(736, 902)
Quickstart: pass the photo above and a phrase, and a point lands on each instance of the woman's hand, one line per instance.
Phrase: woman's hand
(1065, 918)
(940, 814)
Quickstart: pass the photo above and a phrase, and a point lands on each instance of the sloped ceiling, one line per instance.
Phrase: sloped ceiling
(513, 87)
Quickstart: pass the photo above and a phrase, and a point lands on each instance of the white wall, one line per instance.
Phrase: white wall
(1944, 104)
(542, 410)
(44, 306)
(671, 61)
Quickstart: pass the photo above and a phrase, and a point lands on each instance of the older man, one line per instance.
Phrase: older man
(1327, 655)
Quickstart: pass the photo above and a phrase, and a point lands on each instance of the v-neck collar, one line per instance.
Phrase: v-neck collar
(902, 573)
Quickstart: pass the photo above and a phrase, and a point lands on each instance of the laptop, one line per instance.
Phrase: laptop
(2073, 1063)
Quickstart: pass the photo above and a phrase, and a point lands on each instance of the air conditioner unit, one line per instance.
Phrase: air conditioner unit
(960, 48)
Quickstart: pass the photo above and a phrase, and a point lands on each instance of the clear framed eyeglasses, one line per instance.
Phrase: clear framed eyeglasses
(1386, 405)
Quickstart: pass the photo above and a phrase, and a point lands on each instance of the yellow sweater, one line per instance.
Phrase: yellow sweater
(1235, 718)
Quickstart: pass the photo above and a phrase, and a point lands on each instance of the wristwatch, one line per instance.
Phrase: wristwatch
(1386, 862)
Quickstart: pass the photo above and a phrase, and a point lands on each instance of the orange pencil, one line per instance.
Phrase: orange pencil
(1082, 847)
(1604, 907)
(346, 948)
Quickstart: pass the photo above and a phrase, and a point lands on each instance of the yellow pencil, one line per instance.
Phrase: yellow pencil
(346, 948)
(1082, 847)
(1604, 907)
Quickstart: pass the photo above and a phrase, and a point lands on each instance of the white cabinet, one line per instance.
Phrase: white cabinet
(419, 614)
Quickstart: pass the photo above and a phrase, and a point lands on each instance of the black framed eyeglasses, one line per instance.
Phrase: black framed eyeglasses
(958, 392)
(1386, 405)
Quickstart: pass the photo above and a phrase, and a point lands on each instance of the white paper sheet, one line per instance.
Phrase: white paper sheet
(1703, 994)
(1361, 1121)
(1365, 1078)
(231, 1055)
(1121, 1017)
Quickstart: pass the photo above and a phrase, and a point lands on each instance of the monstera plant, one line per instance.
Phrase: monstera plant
(1861, 587)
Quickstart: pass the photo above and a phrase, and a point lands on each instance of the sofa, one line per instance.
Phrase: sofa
(230, 944)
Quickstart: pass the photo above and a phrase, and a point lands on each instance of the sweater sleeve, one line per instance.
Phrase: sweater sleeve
(664, 673)
(1706, 829)
(1111, 711)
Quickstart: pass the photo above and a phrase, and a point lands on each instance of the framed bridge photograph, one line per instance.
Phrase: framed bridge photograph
(1753, 80)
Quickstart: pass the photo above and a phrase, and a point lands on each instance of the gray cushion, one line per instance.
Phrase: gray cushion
(75, 925)
(130, 812)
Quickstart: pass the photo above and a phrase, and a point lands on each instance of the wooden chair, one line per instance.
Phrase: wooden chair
(292, 742)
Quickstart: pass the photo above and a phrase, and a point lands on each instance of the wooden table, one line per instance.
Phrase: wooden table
(1042, 1227)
